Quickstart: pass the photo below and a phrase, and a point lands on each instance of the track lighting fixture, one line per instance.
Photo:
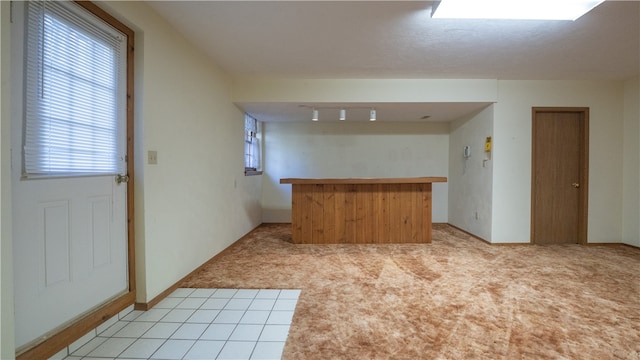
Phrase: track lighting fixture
(342, 111)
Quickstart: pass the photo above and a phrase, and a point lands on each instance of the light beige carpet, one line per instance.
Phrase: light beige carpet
(456, 298)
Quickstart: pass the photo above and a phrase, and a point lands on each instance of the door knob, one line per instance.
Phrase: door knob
(122, 179)
(575, 185)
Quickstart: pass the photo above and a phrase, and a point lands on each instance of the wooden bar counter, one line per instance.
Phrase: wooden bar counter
(361, 210)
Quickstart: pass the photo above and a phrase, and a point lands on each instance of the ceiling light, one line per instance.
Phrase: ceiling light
(343, 114)
(314, 117)
(372, 115)
(513, 9)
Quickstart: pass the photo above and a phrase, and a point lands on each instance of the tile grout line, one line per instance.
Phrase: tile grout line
(185, 322)
(245, 309)
(263, 325)
(255, 343)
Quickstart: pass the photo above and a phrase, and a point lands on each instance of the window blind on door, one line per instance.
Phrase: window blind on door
(75, 81)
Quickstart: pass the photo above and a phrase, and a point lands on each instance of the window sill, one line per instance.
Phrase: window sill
(252, 172)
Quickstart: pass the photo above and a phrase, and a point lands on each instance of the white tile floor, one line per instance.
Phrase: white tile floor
(196, 324)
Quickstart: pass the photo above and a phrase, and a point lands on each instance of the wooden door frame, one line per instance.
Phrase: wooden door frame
(583, 167)
(72, 332)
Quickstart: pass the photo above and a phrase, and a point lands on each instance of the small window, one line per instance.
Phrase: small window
(75, 72)
(252, 148)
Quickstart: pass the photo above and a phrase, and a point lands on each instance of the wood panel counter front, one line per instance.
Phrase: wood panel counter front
(361, 210)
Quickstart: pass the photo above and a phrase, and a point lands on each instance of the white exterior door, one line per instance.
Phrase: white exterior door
(70, 231)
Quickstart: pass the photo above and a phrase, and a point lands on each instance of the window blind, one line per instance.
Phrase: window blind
(75, 80)
(251, 143)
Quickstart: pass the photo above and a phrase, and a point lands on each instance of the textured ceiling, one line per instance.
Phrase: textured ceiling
(398, 39)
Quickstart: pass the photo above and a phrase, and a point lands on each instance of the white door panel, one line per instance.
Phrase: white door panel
(70, 250)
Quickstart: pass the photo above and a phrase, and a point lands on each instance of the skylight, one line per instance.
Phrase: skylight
(514, 9)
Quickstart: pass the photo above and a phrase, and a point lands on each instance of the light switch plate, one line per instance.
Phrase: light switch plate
(152, 157)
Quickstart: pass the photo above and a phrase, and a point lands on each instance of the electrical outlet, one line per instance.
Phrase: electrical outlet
(152, 157)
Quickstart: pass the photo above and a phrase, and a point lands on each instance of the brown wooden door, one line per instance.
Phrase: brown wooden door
(559, 175)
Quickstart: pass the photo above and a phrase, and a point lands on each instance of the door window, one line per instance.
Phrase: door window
(75, 93)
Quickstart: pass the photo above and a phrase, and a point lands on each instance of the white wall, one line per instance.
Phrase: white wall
(631, 164)
(364, 90)
(351, 149)
(471, 179)
(7, 338)
(512, 154)
(196, 201)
